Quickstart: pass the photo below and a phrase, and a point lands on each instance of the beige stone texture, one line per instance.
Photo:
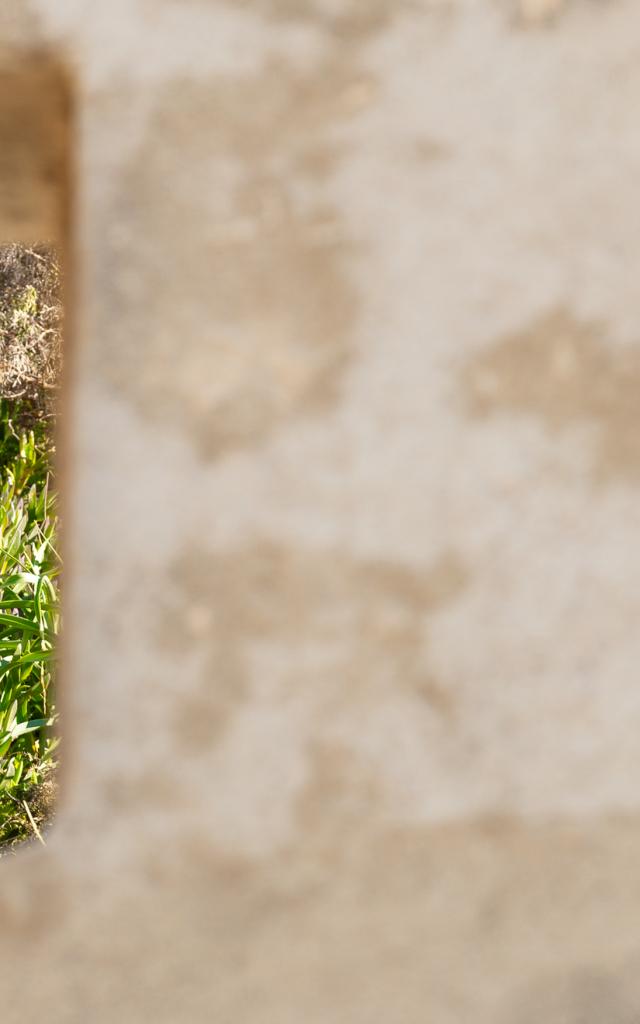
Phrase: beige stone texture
(352, 468)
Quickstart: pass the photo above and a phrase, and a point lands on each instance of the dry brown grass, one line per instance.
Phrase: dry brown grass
(30, 327)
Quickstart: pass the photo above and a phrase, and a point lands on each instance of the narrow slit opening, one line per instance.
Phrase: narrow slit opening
(34, 121)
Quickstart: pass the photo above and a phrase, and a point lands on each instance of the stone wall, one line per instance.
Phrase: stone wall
(352, 719)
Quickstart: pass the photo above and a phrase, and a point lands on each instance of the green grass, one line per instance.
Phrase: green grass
(29, 625)
(30, 359)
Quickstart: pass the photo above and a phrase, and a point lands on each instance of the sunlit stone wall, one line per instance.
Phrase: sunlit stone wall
(351, 710)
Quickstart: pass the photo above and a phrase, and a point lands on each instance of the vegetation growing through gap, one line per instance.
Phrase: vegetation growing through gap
(30, 355)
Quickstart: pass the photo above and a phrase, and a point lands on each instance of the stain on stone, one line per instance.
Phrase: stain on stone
(540, 14)
(262, 309)
(336, 781)
(342, 21)
(427, 150)
(339, 799)
(531, 13)
(23, 35)
(353, 20)
(31, 906)
(153, 786)
(289, 623)
(561, 370)
(585, 996)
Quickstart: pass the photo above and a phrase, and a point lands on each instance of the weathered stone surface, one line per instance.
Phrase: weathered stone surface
(351, 645)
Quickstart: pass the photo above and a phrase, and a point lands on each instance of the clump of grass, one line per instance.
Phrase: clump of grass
(29, 559)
